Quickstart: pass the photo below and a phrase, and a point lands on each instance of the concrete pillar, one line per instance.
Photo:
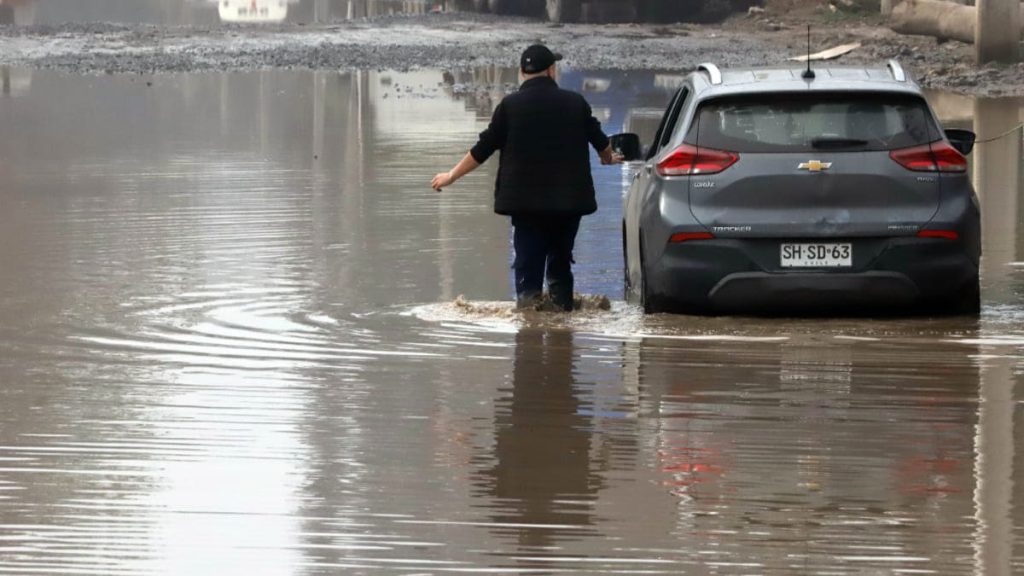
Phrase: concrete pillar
(319, 112)
(997, 31)
(563, 10)
(357, 9)
(225, 104)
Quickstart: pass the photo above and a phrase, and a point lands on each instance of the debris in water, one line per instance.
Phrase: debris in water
(491, 309)
(581, 302)
(587, 302)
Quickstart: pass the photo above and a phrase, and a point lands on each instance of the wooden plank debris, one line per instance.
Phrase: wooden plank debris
(830, 54)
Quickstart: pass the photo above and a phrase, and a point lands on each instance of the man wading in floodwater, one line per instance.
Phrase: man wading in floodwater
(544, 180)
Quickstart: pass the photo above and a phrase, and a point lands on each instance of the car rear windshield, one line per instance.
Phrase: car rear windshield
(806, 122)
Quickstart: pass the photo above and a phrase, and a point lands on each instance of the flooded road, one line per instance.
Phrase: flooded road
(229, 343)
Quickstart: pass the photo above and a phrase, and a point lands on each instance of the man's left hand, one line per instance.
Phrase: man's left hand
(609, 156)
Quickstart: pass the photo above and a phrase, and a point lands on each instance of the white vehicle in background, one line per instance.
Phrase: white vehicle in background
(253, 11)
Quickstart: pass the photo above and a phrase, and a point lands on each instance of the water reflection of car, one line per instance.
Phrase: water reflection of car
(767, 192)
(253, 11)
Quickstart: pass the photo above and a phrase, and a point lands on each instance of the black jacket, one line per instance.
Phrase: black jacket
(543, 133)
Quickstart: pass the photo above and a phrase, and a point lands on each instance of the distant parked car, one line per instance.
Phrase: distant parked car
(767, 192)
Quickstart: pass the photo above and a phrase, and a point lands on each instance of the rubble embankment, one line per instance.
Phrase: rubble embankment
(461, 41)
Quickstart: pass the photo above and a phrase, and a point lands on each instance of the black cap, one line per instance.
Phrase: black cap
(537, 58)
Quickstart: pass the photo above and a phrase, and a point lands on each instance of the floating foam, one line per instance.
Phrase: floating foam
(993, 340)
(716, 337)
(483, 310)
(581, 303)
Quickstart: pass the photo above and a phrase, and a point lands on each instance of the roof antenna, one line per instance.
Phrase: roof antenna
(808, 74)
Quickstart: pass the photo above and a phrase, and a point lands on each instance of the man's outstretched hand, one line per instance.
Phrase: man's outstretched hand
(615, 159)
(609, 156)
(442, 180)
(446, 179)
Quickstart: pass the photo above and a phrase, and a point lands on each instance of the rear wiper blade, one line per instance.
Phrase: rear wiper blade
(826, 142)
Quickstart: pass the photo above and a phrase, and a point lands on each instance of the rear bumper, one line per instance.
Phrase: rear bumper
(758, 291)
(901, 275)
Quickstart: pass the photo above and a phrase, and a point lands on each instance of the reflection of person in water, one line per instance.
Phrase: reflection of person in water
(542, 443)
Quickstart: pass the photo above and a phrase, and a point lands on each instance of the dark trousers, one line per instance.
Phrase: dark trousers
(543, 246)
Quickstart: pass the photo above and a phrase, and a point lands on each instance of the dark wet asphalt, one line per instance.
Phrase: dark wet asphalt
(228, 346)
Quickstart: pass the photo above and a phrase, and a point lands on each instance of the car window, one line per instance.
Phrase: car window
(670, 127)
(653, 149)
(668, 122)
(813, 121)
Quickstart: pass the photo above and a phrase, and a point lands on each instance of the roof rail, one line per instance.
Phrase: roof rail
(897, 71)
(713, 72)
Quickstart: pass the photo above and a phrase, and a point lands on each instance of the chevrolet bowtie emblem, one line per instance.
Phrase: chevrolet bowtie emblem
(815, 166)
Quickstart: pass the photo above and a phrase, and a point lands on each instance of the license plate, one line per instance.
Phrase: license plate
(824, 255)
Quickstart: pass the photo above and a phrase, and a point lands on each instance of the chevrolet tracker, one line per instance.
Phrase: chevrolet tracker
(772, 191)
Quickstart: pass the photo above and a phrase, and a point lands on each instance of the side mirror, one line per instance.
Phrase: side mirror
(962, 140)
(628, 145)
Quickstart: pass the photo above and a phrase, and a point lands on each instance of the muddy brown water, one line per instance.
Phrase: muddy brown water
(231, 343)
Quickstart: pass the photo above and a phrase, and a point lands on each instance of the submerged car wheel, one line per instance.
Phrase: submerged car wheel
(646, 302)
(626, 284)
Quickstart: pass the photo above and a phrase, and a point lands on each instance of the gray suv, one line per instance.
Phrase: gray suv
(771, 191)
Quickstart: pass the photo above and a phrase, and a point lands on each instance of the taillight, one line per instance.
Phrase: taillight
(938, 156)
(947, 234)
(687, 236)
(691, 161)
